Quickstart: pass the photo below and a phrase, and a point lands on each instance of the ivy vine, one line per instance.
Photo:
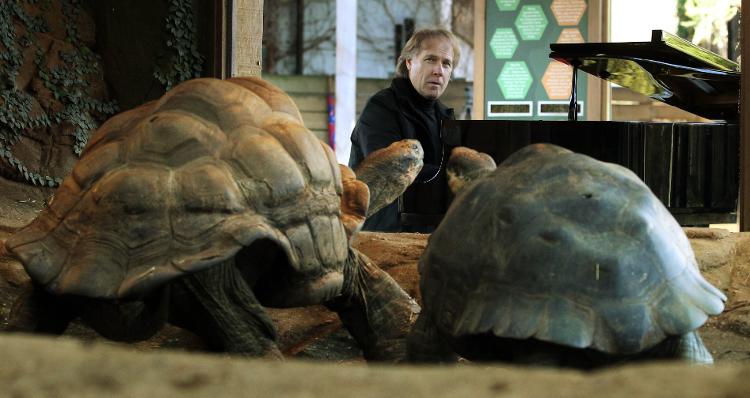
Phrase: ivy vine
(182, 60)
(66, 81)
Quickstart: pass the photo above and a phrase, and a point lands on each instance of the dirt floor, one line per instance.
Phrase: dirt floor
(66, 366)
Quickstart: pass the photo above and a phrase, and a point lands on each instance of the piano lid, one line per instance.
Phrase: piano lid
(667, 68)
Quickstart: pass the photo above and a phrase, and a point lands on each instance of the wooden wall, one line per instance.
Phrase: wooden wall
(310, 95)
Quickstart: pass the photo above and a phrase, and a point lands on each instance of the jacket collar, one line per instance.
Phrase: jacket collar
(405, 93)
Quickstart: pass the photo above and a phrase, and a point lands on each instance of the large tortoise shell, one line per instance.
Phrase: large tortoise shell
(181, 183)
(566, 249)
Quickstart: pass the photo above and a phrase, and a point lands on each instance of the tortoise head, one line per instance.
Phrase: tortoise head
(466, 165)
(355, 200)
(389, 171)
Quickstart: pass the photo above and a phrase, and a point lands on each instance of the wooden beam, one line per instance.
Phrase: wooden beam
(247, 34)
(345, 112)
(218, 39)
(744, 201)
(477, 111)
(299, 38)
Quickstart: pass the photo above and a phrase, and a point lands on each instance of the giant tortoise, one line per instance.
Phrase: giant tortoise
(202, 207)
(555, 258)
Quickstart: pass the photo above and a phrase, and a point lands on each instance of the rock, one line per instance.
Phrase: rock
(706, 233)
(396, 253)
(34, 366)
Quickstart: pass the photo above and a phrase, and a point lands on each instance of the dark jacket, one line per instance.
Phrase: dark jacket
(396, 113)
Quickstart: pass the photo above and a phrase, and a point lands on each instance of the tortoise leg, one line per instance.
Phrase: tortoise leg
(375, 310)
(36, 310)
(688, 347)
(127, 321)
(425, 343)
(219, 306)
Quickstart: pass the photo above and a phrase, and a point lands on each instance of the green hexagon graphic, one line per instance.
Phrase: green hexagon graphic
(503, 43)
(515, 80)
(531, 22)
(507, 5)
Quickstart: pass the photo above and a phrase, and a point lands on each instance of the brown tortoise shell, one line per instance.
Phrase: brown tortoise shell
(182, 183)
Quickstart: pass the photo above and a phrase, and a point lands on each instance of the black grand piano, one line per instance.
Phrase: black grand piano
(693, 168)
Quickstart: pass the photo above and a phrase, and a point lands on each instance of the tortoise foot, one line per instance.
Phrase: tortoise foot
(219, 306)
(425, 343)
(689, 347)
(36, 311)
(377, 312)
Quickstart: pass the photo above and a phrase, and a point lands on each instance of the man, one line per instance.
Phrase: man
(409, 108)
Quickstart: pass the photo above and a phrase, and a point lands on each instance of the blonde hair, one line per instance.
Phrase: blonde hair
(414, 45)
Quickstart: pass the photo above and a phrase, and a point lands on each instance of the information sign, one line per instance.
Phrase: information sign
(521, 81)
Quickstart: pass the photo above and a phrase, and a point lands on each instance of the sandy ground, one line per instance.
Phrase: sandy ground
(324, 361)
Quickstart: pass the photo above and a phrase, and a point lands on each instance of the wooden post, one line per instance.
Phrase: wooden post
(219, 41)
(744, 201)
(346, 77)
(477, 111)
(247, 34)
(299, 38)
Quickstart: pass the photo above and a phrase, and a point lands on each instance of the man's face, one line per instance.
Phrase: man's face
(431, 67)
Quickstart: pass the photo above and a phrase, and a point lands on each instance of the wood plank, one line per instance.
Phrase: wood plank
(477, 111)
(371, 85)
(315, 120)
(299, 84)
(247, 31)
(219, 42)
(321, 134)
(310, 102)
(454, 96)
(309, 93)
